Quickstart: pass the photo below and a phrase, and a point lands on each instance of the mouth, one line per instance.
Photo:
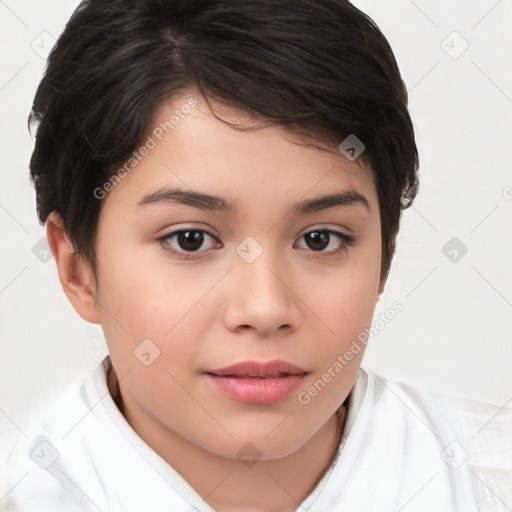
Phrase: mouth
(257, 382)
(255, 369)
(251, 376)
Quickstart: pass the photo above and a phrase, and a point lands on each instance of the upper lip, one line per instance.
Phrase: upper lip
(259, 369)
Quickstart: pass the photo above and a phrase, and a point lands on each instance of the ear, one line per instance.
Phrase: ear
(75, 276)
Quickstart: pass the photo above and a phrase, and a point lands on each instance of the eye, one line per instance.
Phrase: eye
(188, 240)
(324, 240)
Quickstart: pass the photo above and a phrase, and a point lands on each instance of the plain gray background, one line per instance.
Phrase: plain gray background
(453, 334)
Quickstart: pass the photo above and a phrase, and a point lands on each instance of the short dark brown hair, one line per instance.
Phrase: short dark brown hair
(320, 67)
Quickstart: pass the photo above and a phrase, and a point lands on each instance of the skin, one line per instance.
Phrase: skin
(214, 309)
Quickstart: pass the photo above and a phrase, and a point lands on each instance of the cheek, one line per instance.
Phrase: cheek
(347, 294)
(345, 312)
(145, 297)
(343, 301)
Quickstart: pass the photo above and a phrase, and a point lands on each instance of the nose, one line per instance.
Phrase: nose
(261, 298)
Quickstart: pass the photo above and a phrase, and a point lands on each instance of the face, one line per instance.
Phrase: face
(219, 248)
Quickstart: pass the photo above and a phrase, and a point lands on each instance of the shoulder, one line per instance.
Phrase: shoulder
(483, 439)
(485, 434)
(37, 462)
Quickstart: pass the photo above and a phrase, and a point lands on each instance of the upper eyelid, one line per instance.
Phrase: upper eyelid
(188, 228)
(302, 233)
(328, 230)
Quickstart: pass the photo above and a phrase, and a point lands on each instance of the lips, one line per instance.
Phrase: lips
(251, 376)
(264, 370)
(257, 383)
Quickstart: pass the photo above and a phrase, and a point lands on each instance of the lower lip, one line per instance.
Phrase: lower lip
(257, 390)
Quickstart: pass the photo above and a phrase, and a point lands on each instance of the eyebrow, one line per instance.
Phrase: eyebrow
(189, 198)
(220, 204)
(343, 198)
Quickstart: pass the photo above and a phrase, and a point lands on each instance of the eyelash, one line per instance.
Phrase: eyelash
(347, 241)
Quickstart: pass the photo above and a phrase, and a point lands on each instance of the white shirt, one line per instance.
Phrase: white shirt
(402, 449)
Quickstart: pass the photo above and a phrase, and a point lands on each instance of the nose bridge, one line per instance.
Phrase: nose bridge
(263, 280)
(260, 297)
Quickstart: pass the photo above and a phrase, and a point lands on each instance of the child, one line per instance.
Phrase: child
(222, 183)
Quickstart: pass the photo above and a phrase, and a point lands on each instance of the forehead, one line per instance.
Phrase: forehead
(187, 146)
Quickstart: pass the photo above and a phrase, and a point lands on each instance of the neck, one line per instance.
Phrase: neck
(278, 485)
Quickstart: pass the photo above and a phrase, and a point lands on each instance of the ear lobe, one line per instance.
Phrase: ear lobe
(75, 275)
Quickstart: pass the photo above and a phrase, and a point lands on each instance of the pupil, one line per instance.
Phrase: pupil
(190, 240)
(317, 240)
